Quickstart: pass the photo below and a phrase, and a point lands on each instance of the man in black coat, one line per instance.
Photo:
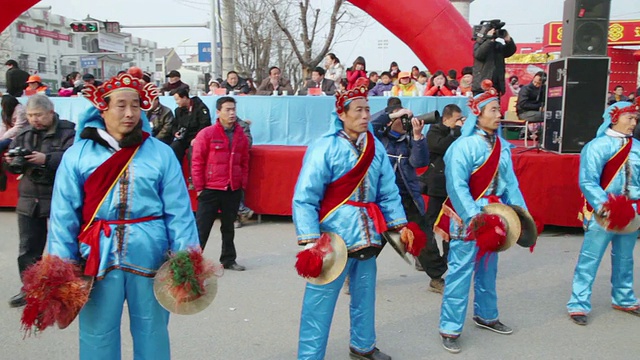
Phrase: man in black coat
(531, 101)
(16, 78)
(47, 138)
(439, 138)
(235, 83)
(191, 116)
(488, 60)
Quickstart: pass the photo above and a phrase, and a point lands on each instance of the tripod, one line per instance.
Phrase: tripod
(538, 147)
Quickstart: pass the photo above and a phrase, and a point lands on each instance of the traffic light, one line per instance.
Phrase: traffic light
(85, 27)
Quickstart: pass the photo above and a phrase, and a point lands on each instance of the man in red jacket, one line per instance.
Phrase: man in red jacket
(220, 171)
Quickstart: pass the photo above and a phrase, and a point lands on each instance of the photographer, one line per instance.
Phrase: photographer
(192, 115)
(493, 45)
(36, 153)
(439, 138)
(401, 135)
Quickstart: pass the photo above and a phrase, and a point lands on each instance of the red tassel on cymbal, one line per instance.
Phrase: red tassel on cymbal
(419, 239)
(490, 233)
(620, 211)
(309, 261)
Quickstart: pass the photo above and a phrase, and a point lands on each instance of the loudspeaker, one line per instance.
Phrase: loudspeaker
(575, 101)
(585, 27)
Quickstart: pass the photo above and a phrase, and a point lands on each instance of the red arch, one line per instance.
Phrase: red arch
(442, 42)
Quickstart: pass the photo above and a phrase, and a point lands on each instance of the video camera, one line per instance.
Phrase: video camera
(480, 31)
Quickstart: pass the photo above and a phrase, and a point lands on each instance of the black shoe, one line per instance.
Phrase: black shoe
(375, 355)
(579, 319)
(235, 267)
(451, 344)
(635, 312)
(18, 300)
(498, 327)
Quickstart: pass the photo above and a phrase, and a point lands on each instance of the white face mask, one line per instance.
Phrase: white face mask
(78, 83)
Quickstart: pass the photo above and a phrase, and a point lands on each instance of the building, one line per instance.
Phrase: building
(43, 43)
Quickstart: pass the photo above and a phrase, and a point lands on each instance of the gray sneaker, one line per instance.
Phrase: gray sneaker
(237, 224)
(497, 327)
(451, 344)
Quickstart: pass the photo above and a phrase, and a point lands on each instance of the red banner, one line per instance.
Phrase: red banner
(44, 33)
(621, 32)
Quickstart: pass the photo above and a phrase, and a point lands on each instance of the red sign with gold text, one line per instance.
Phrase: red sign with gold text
(44, 33)
(621, 32)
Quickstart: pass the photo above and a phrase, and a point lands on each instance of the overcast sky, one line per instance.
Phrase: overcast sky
(524, 18)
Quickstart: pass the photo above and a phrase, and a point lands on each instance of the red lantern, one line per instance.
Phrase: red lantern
(636, 55)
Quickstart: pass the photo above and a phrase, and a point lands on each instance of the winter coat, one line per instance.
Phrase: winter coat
(52, 142)
(18, 121)
(218, 165)
(193, 118)
(439, 138)
(161, 120)
(353, 75)
(530, 98)
(380, 88)
(488, 63)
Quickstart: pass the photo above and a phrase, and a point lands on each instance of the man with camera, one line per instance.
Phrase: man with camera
(401, 135)
(192, 115)
(531, 101)
(439, 138)
(493, 45)
(36, 153)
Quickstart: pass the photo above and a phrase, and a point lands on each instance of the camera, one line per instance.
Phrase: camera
(428, 118)
(180, 133)
(18, 162)
(480, 31)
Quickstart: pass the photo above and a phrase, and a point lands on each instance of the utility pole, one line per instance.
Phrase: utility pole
(228, 34)
(214, 37)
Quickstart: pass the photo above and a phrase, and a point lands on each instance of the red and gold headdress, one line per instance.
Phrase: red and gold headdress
(122, 82)
(481, 100)
(616, 112)
(359, 91)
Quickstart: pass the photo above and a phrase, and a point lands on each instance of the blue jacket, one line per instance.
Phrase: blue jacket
(405, 156)
(325, 161)
(380, 88)
(462, 158)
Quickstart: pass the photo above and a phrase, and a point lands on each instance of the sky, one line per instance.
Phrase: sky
(524, 18)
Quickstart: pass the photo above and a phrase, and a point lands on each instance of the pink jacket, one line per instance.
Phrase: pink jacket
(213, 165)
(19, 122)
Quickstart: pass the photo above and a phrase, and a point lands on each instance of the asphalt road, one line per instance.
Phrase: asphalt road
(256, 313)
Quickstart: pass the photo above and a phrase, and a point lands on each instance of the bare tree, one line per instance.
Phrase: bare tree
(255, 30)
(309, 30)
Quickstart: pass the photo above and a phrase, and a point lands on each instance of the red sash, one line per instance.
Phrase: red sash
(609, 172)
(96, 189)
(479, 182)
(339, 191)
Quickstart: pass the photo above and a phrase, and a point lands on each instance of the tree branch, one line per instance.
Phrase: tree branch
(286, 32)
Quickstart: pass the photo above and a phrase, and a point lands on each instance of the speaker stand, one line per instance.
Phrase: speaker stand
(538, 147)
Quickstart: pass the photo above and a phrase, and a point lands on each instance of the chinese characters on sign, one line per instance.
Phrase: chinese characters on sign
(42, 32)
(621, 32)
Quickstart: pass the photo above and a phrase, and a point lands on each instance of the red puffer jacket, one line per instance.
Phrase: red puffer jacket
(215, 166)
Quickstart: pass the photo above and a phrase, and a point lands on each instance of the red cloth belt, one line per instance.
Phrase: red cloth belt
(493, 199)
(91, 237)
(374, 212)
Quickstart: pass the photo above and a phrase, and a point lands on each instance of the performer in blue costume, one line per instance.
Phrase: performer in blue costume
(478, 171)
(126, 223)
(358, 213)
(609, 174)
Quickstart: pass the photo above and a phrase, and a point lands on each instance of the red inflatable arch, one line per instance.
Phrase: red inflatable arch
(441, 43)
(433, 29)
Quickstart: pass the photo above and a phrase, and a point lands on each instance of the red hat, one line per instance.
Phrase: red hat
(616, 111)
(481, 100)
(135, 71)
(123, 82)
(359, 91)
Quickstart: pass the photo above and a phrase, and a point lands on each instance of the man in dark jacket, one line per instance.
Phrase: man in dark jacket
(192, 115)
(220, 168)
(161, 119)
(46, 137)
(439, 138)
(531, 101)
(16, 78)
(488, 60)
(174, 83)
(235, 83)
(407, 150)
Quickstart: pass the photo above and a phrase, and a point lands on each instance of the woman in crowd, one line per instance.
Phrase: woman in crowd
(415, 72)
(405, 86)
(66, 87)
(438, 85)
(14, 119)
(394, 70)
(335, 70)
(213, 85)
(357, 70)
